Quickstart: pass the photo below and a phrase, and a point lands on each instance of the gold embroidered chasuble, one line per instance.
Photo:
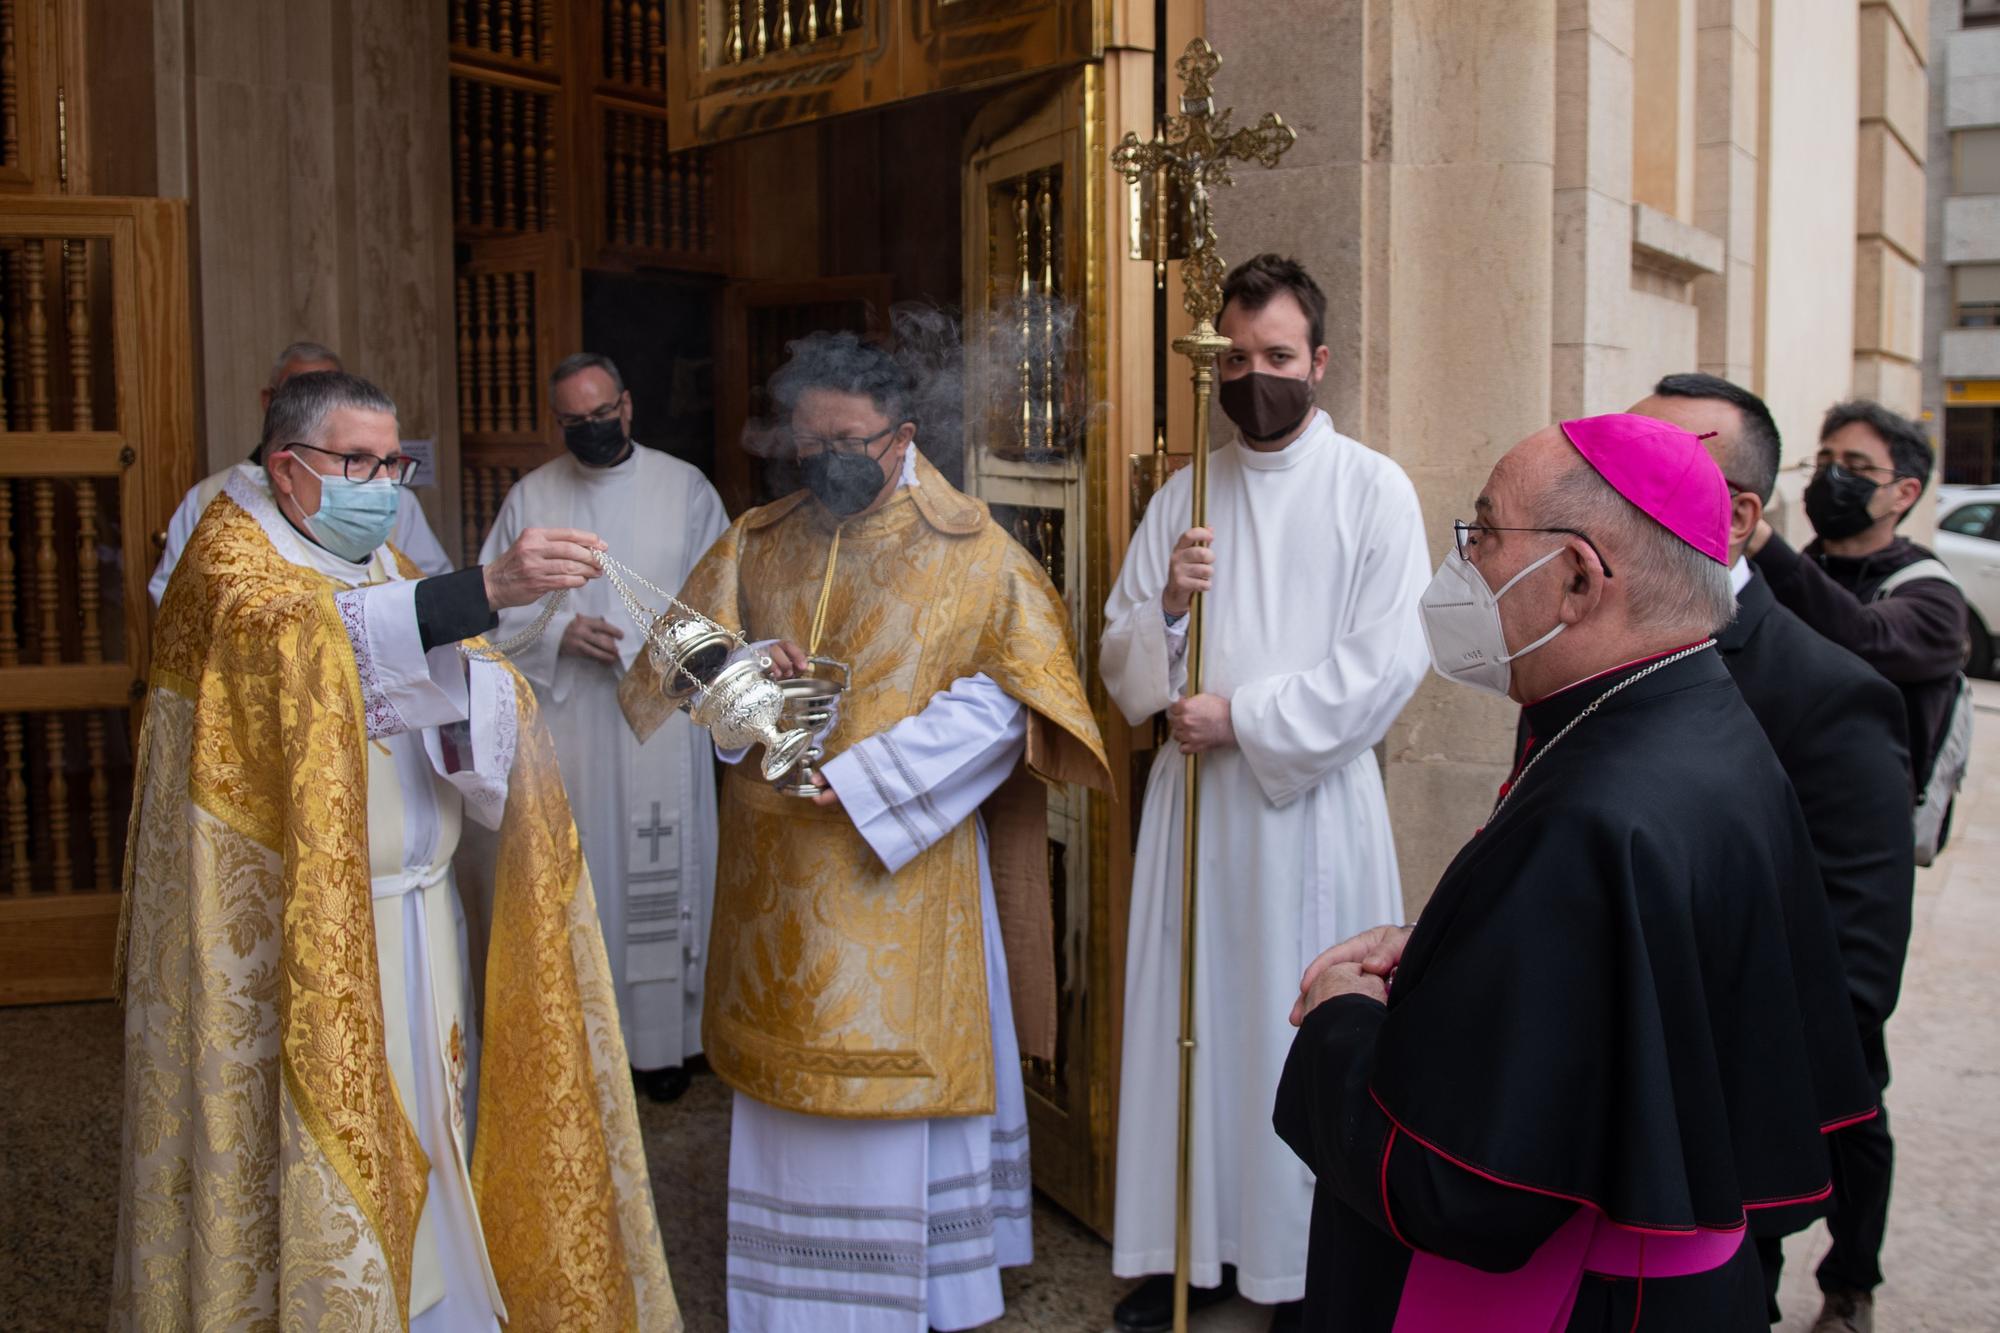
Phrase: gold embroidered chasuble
(269, 1173)
(834, 986)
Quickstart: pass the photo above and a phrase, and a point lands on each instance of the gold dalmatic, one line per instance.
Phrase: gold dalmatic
(270, 1176)
(835, 987)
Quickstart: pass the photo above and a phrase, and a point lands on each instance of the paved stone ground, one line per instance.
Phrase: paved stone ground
(59, 1089)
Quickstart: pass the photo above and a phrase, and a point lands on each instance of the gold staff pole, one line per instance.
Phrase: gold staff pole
(1195, 149)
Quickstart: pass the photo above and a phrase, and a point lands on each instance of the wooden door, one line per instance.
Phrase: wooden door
(1047, 446)
(519, 312)
(561, 162)
(738, 67)
(96, 448)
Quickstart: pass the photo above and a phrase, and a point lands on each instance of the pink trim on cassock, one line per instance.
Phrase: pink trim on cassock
(1832, 1125)
(1592, 1204)
(1440, 1296)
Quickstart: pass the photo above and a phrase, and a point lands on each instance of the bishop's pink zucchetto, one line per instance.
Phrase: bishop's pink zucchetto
(1662, 469)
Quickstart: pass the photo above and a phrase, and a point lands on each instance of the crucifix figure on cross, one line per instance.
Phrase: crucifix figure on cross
(1196, 148)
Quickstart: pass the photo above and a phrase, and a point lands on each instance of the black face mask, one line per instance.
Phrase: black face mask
(845, 483)
(1837, 502)
(1266, 407)
(597, 443)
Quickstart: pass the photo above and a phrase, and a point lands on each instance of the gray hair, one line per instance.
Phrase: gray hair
(1669, 586)
(310, 353)
(299, 410)
(578, 362)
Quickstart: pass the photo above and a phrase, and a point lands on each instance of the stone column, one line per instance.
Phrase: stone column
(1728, 130)
(1593, 324)
(1806, 250)
(1421, 196)
(1889, 213)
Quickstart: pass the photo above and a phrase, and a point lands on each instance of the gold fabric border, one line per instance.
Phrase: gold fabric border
(541, 1167)
(269, 1174)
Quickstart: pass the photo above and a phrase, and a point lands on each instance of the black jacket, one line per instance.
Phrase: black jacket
(1839, 731)
(1916, 636)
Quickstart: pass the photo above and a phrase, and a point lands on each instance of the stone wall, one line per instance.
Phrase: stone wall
(1513, 225)
(1421, 194)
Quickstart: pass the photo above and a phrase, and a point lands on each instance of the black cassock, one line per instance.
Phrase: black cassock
(1624, 994)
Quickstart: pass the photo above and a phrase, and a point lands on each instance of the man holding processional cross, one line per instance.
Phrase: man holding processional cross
(1313, 556)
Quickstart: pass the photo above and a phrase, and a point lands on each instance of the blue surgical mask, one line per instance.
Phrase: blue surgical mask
(354, 517)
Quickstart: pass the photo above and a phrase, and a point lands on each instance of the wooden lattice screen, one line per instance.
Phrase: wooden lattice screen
(95, 444)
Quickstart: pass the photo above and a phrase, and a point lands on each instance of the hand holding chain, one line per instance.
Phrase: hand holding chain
(621, 577)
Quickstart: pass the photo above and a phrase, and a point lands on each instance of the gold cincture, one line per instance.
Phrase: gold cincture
(1196, 148)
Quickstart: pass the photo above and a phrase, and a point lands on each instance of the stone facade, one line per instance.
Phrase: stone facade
(1961, 365)
(1723, 185)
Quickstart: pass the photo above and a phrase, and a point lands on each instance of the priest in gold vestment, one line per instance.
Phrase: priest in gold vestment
(317, 1131)
(882, 955)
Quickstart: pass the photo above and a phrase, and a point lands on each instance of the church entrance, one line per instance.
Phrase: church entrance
(687, 185)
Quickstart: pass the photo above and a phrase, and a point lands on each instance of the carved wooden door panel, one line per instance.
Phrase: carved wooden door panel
(1069, 331)
(519, 312)
(746, 66)
(96, 448)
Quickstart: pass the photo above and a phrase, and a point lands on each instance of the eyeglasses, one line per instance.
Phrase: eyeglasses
(603, 412)
(401, 468)
(1833, 465)
(843, 444)
(1467, 537)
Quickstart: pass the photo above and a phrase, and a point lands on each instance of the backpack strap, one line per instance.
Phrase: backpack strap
(1911, 573)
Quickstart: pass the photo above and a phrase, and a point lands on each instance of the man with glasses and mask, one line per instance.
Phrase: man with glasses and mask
(646, 812)
(1839, 731)
(1882, 597)
(1617, 1028)
(302, 1038)
(412, 534)
(882, 954)
(1309, 570)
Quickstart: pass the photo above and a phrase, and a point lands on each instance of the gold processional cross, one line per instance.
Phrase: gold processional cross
(1196, 149)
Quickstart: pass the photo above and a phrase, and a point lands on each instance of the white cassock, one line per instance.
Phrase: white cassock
(1312, 634)
(412, 534)
(894, 1226)
(645, 813)
(416, 809)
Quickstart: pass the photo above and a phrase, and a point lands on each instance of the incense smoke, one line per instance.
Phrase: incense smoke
(1008, 379)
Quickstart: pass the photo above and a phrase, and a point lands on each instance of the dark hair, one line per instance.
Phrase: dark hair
(1754, 459)
(1252, 284)
(578, 362)
(1909, 448)
(844, 363)
(299, 409)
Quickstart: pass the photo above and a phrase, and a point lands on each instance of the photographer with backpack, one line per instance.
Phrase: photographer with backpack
(1894, 605)
(1882, 597)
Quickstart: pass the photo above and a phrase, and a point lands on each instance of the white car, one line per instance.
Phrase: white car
(1968, 540)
